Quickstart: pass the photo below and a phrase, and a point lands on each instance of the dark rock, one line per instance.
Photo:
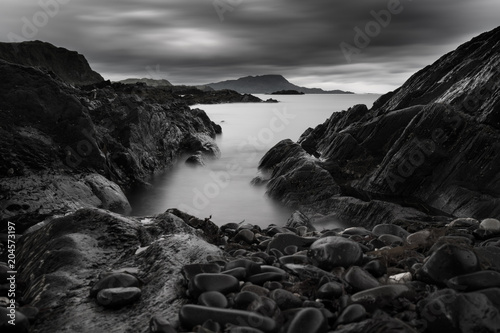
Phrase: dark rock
(309, 320)
(376, 268)
(383, 296)
(191, 270)
(192, 315)
(492, 225)
(238, 272)
(299, 220)
(118, 297)
(251, 267)
(390, 229)
(213, 299)
(294, 259)
(330, 290)
(330, 252)
(391, 240)
(160, 325)
(281, 241)
(196, 160)
(285, 299)
(352, 314)
(214, 282)
(245, 235)
(261, 291)
(449, 311)
(446, 262)
(489, 257)
(244, 298)
(475, 281)
(360, 279)
(118, 280)
(260, 279)
(266, 307)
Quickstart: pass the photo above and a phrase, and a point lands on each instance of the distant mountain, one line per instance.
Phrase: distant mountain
(149, 82)
(266, 84)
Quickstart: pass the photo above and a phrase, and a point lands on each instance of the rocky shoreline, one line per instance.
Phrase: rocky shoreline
(418, 250)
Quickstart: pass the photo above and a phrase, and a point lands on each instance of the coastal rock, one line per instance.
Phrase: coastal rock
(308, 320)
(118, 297)
(330, 252)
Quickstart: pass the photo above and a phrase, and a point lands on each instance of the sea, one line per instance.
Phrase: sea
(222, 190)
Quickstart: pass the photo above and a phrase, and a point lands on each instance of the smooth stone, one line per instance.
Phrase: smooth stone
(376, 268)
(245, 235)
(239, 272)
(210, 326)
(310, 320)
(272, 231)
(309, 272)
(272, 285)
(213, 299)
(463, 222)
(446, 262)
(382, 296)
(330, 290)
(272, 269)
(116, 280)
(475, 281)
(243, 299)
(419, 238)
(390, 229)
(352, 314)
(490, 225)
(265, 306)
(281, 241)
(222, 283)
(489, 257)
(449, 311)
(229, 226)
(294, 259)
(456, 240)
(291, 249)
(243, 329)
(118, 297)
(360, 279)
(391, 240)
(334, 251)
(22, 324)
(260, 279)
(357, 231)
(285, 299)
(160, 325)
(191, 270)
(250, 266)
(192, 315)
(261, 291)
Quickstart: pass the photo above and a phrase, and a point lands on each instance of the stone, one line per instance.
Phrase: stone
(250, 266)
(390, 229)
(213, 299)
(489, 257)
(333, 251)
(310, 320)
(238, 272)
(351, 314)
(360, 279)
(285, 299)
(260, 279)
(261, 291)
(376, 268)
(191, 270)
(419, 238)
(391, 240)
(214, 282)
(382, 296)
(330, 290)
(160, 325)
(281, 241)
(244, 298)
(490, 225)
(117, 280)
(446, 262)
(118, 297)
(192, 315)
(475, 281)
(244, 235)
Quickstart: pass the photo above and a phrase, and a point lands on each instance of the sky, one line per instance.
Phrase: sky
(364, 46)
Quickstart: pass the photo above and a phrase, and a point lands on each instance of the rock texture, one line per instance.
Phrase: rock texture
(69, 66)
(427, 151)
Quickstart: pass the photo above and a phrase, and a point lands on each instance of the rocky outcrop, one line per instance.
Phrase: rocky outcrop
(65, 148)
(427, 151)
(69, 66)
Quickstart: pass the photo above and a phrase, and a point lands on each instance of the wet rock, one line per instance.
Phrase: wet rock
(492, 225)
(298, 219)
(251, 267)
(330, 290)
(238, 272)
(214, 282)
(213, 299)
(333, 251)
(118, 297)
(294, 259)
(446, 262)
(475, 281)
(360, 279)
(244, 298)
(449, 311)
(191, 270)
(309, 320)
(281, 241)
(376, 268)
(419, 238)
(117, 280)
(285, 299)
(192, 315)
(352, 314)
(390, 229)
(464, 223)
(261, 291)
(245, 235)
(391, 240)
(260, 279)
(489, 257)
(382, 296)
(160, 325)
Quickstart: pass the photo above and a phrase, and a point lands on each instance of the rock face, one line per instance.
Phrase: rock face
(65, 148)
(69, 66)
(427, 151)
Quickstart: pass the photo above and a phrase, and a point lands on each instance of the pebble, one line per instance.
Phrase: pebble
(222, 283)
(310, 320)
(475, 281)
(192, 315)
(261, 291)
(419, 238)
(243, 299)
(446, 262)
(281, 241)
(391, 240)
(214, 299)
(351, 314)
(382, 296)
(334, 251)
(285, 299)
(115, 280)
(245, 235)
(190, 271)
(360, 279)
(160, 325)
(376, 268)
(118, 297)
(330, 290)
(260, 279)
(390, 229)
(490, 225)
(250, 266)
(238, 272)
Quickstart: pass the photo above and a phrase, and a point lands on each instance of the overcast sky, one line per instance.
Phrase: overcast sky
(202, 41)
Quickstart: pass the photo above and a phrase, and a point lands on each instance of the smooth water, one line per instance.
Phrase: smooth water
(222, 188)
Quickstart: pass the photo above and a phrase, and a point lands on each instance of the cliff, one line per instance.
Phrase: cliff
(428, 150)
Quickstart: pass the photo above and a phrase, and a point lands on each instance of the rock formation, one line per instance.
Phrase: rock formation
(429, 150)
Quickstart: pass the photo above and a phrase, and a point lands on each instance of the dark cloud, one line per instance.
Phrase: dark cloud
(186, 41)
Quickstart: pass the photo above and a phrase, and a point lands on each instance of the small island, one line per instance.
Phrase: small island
(287, 92)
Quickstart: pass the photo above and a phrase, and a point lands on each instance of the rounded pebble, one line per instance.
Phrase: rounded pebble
(118, 297)
(214, 299)
(334, 251)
